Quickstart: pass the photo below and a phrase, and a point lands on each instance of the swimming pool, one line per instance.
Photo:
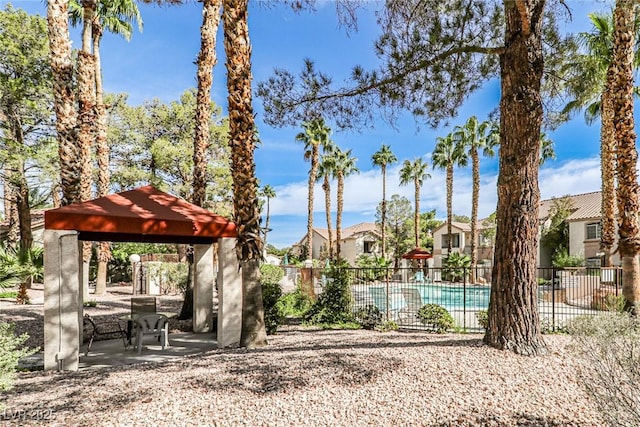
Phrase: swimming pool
(455, 297)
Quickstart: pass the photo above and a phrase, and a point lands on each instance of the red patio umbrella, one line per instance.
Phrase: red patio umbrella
(417, 253)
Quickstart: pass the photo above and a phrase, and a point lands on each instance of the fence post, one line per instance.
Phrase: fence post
(464, 299)
(553, 297)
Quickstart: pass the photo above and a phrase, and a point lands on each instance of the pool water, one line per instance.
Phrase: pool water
(456, 297)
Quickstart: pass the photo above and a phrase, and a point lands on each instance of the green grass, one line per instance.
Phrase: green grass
(8, 294)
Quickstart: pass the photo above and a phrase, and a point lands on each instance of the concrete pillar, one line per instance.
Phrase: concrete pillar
(203, 280)
(229, 295)
(62, 299)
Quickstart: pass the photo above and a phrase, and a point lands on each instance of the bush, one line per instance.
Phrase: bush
(454, 266)
(387, 326)
(294, 304)
(369, 316)
(609, 345)
(562, 259)
(270, 276)
(436, 316)
(11, 351)
(333, 305)
(483, 318)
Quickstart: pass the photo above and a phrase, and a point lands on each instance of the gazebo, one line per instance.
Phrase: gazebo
(144, 214)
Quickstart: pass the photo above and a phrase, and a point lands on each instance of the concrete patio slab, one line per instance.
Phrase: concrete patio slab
(108, 353)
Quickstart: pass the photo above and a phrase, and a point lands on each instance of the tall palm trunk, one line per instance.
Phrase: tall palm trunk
(206, 61)
(22, 205)
(627, 155)
(11, 207)
(340, 202)
(64, 99)
(86, 100)
(313, 174)
(202, 139)
(384, 210)
(514, 322)
(449, 205)
(266, 223)
(416, 213)
(86, 113)
(102, 154)
(242, 141)
(326, 186)
(475, 196)
(607, 169)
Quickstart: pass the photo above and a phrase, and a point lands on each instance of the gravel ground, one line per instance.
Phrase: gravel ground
(310, 377)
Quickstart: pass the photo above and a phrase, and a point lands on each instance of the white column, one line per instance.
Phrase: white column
(203, 280)
(62, 299)
(229, 295)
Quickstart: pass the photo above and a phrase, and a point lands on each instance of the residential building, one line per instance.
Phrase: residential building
(584, 234)
(356, 240)
(584, 229)
(460, 242)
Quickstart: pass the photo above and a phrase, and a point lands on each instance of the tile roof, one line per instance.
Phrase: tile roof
(348, 232)
(585, 206)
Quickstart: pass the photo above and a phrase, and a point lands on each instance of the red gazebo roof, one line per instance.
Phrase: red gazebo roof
(143, 214)
(417, 253)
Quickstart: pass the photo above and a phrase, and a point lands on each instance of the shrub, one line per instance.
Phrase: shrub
(436, 317)
(11, 351)
(369, 316)
(294, 304)
(333, 305)
(609, 345)
(455, 266)
(562, 259)
(270, 276)
(483, 318)
(387, 326)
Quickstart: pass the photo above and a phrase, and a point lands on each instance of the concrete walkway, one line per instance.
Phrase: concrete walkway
(112, 353)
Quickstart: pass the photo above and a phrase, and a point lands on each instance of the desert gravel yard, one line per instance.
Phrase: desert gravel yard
(312, 377)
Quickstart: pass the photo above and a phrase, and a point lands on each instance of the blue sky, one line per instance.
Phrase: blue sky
(159, 63)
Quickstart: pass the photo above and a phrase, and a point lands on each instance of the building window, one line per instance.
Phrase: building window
(455, 241)
(368, 247)
(594, 231)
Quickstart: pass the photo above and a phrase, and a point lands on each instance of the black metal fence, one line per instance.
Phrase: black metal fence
(398, 293)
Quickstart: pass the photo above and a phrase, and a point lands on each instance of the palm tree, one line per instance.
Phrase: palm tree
(242, 140)
(590, 86)
(415, 172)
(345, 165)
(627, 155)
(326, 171)
(447, 154)
(116, 16)
(315, 136)
(383, 157)
(86, 103)
(269, 193)
(476, 136)
(206, 61)
(64, 99)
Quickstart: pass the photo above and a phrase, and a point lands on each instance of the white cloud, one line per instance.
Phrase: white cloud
(363, 192)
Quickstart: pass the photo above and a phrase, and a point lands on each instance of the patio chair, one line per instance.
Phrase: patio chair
(156, 325)
(413, 302)
(110, 329)
(382, 301)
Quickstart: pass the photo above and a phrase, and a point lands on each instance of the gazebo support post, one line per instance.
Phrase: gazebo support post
(62, 300)
(203, 288)
(229, 294)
